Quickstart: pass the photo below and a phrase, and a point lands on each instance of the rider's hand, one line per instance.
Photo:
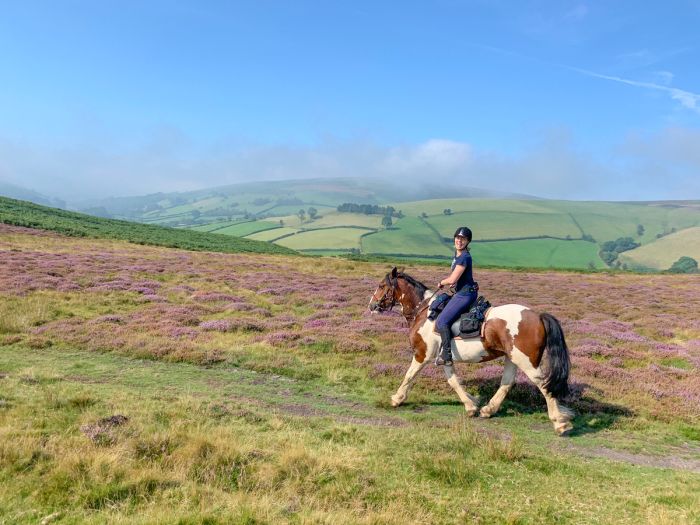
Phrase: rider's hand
(440, 285)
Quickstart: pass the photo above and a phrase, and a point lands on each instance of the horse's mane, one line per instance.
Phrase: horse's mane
(419, 286)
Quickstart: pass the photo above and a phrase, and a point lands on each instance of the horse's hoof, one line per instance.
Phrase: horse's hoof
(485, 412)
(564, 429)
(395, 402)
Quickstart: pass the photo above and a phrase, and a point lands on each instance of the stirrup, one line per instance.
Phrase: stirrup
(439, 361)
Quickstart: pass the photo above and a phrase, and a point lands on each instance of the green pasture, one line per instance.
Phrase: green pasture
(663, 252)
(537, 253)
(214, 226)
(607, 221)
(506, 224)
(246, 228)
(409, 235)
(437, 206)
(328, 239)
(335, 218)
(268, 235)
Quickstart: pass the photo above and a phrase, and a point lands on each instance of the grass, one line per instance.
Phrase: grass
(408, 236)
(21, 213)
(538, 253)
(507, 224)
(219, 445)
(330, 239)
(256, 389)
(662, 253)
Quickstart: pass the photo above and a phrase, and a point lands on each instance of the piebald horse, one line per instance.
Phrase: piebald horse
(531, 342)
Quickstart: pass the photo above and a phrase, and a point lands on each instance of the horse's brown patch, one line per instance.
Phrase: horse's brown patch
(531, 337)
(497, 339)
(420, 348)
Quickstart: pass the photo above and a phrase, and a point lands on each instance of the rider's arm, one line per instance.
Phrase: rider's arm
(452, 279)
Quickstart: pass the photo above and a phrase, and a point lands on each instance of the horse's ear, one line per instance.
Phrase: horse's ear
(394, 272)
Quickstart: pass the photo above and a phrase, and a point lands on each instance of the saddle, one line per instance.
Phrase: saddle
(470, 322)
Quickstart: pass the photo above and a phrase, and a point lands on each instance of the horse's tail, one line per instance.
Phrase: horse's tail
(556, 379)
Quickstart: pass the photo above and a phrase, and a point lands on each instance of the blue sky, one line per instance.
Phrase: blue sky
(577, 100)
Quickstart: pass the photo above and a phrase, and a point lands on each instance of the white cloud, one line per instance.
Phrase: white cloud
(687, 99)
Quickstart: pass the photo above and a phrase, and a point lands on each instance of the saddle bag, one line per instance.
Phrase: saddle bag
(438, 305)
(470, 322)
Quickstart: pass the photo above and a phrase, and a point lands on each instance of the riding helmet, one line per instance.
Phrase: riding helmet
(463, 231)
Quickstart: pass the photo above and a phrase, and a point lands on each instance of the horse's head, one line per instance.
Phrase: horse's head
(386, 295)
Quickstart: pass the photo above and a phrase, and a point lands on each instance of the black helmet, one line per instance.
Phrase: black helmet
(463, 231)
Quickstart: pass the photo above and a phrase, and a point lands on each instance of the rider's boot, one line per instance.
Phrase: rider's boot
(445, 355)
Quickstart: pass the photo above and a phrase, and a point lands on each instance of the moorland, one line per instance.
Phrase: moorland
(149, 384)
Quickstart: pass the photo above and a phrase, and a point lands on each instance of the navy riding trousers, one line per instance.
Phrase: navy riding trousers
(458, 304)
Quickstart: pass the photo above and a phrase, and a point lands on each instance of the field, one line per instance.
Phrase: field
(329, 238)
(662, 253)
(142, 384)
(548, 233)
(408, 236)
(538, 253)
(507, 224)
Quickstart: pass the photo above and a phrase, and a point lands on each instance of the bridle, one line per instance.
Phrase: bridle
(388, 299)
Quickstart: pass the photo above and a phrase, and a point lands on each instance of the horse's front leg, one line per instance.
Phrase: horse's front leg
(408, 380)
(509, 372)
(470, 403)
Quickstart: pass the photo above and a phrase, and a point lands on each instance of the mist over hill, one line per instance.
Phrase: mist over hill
(255, 198)
(18, 192)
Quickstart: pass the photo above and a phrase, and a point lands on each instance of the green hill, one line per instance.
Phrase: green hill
(663, 252)
(22, 213)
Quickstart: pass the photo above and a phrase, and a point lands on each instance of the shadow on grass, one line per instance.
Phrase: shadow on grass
(591, 414)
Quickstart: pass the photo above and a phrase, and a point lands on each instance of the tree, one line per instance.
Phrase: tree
(386, 221)
(313, 213)
(447, 211)
(640, 230)
(281, 222)
(302, 215)
(424, 215)
(684, 265)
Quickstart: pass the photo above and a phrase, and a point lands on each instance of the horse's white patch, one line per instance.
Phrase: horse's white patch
(512, 315)
(469, 350)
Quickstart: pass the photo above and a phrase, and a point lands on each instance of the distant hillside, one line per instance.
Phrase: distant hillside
(662, 253)
(271, 198)
(527, 233)
(23, 213)
(18, 192)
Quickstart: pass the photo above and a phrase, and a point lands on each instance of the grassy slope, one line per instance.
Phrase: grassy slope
(330, 239)
(408, 236)
(21, 213)
(662, 253)
(538, 253)
(296, 432)
(505, 224)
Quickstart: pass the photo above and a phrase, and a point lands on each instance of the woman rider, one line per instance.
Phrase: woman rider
(465, 292)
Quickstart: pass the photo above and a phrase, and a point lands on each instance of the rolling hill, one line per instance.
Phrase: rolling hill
(23, 213)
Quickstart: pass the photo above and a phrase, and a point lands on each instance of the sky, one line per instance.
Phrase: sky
(559, 99)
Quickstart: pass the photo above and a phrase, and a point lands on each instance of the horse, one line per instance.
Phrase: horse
(531, 342)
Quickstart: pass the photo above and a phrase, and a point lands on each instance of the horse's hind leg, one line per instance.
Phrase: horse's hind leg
(470, 403)
(559, 415)
(509, 371)
(408, 380)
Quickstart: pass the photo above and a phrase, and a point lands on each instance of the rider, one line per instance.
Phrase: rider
(465, 292)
